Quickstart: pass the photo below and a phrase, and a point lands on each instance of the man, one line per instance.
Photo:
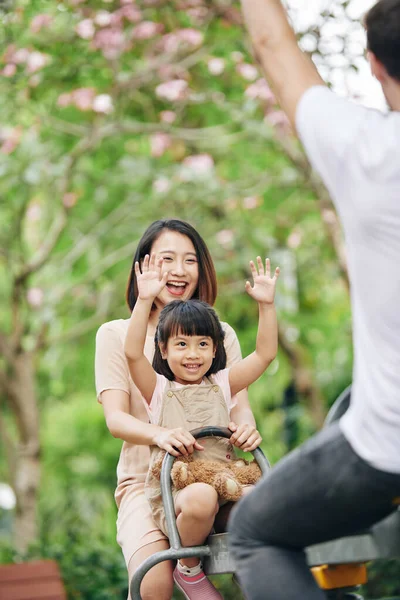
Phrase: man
(348, 476)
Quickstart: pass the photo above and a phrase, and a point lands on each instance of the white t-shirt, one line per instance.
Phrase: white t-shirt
(357, 152)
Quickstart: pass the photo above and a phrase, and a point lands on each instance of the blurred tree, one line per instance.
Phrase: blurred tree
(119, 112)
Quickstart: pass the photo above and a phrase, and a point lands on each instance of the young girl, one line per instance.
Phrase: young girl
(189, 387)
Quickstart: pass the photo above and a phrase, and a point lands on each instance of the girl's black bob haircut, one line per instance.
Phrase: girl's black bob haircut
(190, 317)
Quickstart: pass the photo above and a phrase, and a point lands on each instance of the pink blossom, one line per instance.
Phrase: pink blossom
(198, 14)
(129, 12)
(34, 212)
(11, 140)
(161, 185)
(35, 297)
(231, 203)
(110, 41)
(191, 36)
(196, 166)
(64, 100)
(83, 98)
(103, 18)
(329, 216)
(173, 90)
(9, 53)
(294, 240)
(237, 56)
(21, 56)
(9, 70)
(247, 71)
(225, 238)
(159, 144)
(167, 116)
(216, 66)
(103, 104)
(41, 21)
(85, 29)
(172, 71)
(251, 202)
(172, 41)
(261, 90)
(35, 80)
(146, 30)
(278, 119)
(70, 199)
(36, 61)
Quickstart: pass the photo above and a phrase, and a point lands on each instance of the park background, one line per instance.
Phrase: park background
(115, 113)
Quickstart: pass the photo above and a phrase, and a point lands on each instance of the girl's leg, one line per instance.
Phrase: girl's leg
(196, 507)
(158, 583)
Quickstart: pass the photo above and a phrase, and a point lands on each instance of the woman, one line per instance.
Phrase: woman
(191, 274)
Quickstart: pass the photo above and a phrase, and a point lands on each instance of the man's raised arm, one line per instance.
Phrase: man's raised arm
(289, 71)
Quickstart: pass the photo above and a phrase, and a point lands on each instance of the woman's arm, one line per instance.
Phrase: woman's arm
(248, 370)
(124, 426)
(150, 283)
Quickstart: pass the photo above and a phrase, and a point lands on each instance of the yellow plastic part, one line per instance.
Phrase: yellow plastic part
(331, 577)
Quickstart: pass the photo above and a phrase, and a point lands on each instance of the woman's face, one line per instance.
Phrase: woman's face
(180, 261)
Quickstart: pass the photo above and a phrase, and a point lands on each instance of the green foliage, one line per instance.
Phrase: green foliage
(103, 175)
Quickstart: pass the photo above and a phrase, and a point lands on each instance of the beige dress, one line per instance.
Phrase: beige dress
(135, 524)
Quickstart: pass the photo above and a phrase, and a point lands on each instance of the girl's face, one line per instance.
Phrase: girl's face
(180, 262)
(189, 357)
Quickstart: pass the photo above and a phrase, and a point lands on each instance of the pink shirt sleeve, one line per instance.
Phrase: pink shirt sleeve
(154, 408)
(111, 368)
(222, 379)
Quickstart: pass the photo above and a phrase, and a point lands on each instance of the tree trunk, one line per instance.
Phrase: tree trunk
(21, 397)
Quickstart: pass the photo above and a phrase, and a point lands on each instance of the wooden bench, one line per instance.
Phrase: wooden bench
(36, 580)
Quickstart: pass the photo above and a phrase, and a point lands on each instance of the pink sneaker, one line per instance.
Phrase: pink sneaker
(198, 587)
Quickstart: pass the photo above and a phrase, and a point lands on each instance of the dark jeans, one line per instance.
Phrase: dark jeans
(319, 492)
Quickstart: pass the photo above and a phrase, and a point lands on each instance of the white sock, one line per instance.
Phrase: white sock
(190, 571)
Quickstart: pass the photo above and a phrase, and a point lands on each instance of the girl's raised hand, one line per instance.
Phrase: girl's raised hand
(150, 280)
(263, 290)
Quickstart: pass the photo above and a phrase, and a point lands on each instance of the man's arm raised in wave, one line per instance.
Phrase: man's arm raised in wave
(288, 70)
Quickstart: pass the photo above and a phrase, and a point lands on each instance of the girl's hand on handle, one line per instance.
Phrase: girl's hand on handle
(263, 290)
(244, 436)
(178, 442)
(150, 280)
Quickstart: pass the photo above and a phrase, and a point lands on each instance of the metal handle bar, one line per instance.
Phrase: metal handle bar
(176, 549)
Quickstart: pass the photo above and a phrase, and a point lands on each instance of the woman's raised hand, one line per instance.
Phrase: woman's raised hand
(263, 289)
(150, 280)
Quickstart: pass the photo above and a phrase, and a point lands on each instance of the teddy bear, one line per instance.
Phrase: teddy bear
(228, 479)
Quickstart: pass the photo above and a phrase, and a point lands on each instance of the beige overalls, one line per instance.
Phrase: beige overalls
(190, 407)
